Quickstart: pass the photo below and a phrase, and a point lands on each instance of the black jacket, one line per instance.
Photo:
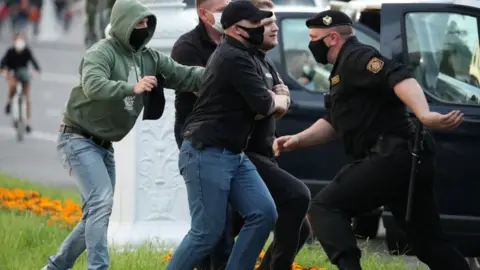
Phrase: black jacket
(232, 94)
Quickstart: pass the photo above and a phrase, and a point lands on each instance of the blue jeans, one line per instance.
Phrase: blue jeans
(214, 176)
(93, 168)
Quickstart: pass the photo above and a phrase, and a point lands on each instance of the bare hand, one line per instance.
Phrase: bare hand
(436, 120)
(281, 89)
(272, 94)
(285, 144)
(147, 83)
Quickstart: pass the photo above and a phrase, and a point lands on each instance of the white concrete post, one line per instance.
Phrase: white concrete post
(151, 200)
(49, 28)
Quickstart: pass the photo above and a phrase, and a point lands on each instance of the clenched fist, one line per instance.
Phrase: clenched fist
(147, 83)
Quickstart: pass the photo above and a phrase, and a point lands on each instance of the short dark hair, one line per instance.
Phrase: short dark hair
(343, 30)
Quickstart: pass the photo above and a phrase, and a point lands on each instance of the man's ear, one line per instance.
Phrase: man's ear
(204, 16)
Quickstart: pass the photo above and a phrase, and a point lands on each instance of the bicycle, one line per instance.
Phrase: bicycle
(19, 111)
(18, 121)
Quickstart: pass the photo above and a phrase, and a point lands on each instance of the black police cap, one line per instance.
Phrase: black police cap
(242, 10)
(328, 18)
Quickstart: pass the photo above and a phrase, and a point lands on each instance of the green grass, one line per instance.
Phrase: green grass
(28, 241)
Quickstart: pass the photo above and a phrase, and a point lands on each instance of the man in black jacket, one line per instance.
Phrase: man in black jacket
(291, 196)
(212, 159)
(194, 49)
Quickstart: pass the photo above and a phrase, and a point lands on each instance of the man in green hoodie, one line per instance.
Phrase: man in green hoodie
(115, 75)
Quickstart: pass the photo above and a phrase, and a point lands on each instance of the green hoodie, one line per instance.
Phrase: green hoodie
(104, 103)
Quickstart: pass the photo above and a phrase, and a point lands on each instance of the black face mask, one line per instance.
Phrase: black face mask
(138, 37)
(319, 50)
(255, 35)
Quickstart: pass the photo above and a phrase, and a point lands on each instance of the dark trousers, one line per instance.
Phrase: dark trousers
(292, 229)
(382, 181)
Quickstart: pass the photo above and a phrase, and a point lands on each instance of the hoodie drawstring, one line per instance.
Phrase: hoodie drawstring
(135, 66)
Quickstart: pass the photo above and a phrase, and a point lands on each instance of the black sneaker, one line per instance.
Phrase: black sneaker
(28, 129)
(7, 108)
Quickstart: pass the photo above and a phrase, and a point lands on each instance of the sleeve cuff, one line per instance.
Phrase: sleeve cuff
(398, 76)
(129, 90)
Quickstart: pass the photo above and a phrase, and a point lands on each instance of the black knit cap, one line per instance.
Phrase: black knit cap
(239, 10)
(329, 18)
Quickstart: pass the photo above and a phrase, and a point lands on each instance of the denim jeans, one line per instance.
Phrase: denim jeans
(214, 176)
(93, 169)
(292, 229)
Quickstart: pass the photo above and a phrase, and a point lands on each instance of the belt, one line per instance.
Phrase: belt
(387, 145)
(102, 143)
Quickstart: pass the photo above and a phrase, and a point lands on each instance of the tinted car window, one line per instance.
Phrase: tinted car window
(299, 61)
(443, 49)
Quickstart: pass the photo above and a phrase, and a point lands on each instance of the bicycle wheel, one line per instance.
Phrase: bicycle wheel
(20, 127)
(20, 130)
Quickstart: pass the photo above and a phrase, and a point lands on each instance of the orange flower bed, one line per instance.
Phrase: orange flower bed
(64, 214)
(67, 213)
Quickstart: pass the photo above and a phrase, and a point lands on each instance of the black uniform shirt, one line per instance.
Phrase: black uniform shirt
(232, 93)
(191, 49)
(363, 104)
(263, 134)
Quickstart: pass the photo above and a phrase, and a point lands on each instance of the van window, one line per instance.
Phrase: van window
(299, 61)
(443, 49)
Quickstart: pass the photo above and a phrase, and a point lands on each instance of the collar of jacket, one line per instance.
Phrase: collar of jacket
(260, 53)
(350, 41)
(203, 34)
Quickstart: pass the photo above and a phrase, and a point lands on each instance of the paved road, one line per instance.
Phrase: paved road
(36, 158)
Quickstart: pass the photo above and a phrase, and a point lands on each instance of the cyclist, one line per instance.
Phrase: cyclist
(14, 66)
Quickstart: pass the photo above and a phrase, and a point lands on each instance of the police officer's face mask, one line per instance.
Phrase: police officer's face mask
(255, 34)
(319, 50)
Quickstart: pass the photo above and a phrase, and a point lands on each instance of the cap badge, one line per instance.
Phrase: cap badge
(327, 20)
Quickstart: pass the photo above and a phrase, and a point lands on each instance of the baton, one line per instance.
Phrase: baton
(413, 172)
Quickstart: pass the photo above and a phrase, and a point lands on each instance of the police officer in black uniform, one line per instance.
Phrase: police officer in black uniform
(366, 107)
